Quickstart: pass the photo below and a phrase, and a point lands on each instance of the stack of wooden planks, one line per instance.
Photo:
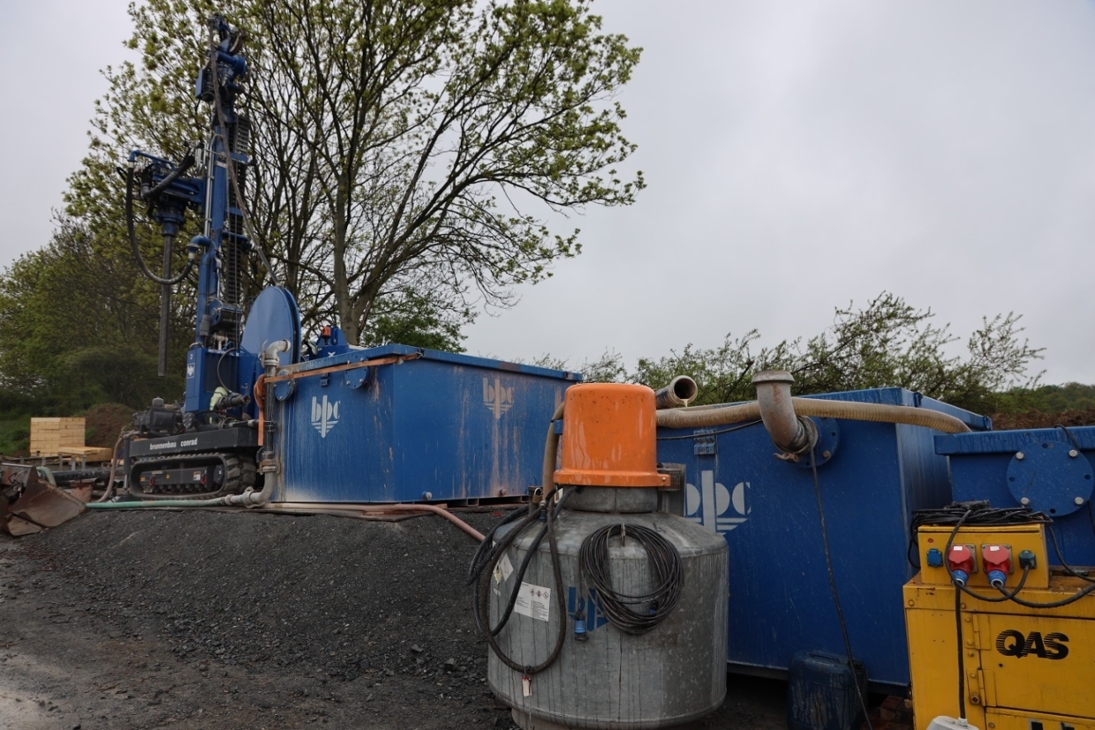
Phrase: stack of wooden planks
(48, 436)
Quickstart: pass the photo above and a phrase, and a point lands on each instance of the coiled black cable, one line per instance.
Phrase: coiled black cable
(488, 555)
(634, 614)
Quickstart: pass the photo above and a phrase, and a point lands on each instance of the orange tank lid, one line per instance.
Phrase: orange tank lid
(609, 437)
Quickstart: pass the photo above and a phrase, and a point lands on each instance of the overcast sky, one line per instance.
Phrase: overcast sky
(798, 156)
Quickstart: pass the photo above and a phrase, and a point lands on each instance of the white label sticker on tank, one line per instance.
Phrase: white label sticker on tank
(503, 570)
(534, 602)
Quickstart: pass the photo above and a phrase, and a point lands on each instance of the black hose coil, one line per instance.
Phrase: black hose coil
(634, 614)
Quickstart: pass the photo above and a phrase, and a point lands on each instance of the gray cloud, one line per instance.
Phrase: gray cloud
(51, 53)
(799, 155)
(802, 155)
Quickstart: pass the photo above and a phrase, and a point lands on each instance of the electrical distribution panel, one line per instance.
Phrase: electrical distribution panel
(1025, 668)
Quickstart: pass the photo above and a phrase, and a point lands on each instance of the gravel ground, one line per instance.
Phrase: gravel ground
(174, 619)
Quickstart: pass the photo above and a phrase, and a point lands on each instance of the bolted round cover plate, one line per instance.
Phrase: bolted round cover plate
(828, 439)
(1050, 479)
(284, 389)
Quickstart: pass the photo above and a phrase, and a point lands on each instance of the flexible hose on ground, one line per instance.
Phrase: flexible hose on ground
(153, 503)
(367, 509)
(113, 467)
(705, 416)
(342, 510)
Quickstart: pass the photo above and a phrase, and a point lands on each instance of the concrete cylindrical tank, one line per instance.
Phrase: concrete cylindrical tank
(605, 677)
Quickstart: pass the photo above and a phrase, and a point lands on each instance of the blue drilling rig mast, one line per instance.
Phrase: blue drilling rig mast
(207, 445)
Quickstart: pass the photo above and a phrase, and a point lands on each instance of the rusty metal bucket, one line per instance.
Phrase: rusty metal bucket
(29, 504)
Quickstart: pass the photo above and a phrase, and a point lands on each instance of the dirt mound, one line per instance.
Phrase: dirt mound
(105, 422)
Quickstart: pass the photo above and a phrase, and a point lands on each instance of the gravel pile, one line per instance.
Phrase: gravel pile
(186, 620)
(323, 596)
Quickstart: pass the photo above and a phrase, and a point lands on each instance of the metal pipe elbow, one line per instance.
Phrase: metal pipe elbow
(270, 359)
(789, 432)
(681, 391)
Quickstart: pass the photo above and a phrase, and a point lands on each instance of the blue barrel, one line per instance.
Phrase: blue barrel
(872, 479)
(401, 424)
(821, 692)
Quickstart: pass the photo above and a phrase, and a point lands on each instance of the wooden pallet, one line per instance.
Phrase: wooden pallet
(88, 454)
(49, 435)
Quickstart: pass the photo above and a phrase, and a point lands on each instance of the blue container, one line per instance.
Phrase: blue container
(1049, 468)
(400, 424)
(876, 474)
(821, 692)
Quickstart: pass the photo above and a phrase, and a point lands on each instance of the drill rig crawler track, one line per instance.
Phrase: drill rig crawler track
(193, 465)
(194, 476)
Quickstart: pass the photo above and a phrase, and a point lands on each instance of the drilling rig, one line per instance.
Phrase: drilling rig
(209, 444)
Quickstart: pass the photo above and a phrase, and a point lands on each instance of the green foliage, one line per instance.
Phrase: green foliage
(400, 143)
(1049, 399)
(885, 344)
(415, 320)
(14, 436)
(77, 327)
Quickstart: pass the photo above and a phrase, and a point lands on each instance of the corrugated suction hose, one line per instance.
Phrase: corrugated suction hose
(721, 415)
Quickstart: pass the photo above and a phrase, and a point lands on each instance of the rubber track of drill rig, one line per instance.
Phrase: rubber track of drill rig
(177, 476)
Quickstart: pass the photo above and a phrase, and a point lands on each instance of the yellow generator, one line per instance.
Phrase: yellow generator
(1027, 632)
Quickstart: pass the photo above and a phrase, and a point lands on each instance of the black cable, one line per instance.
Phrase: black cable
(187, 162)
(836, 595)
(666, 577)
(485, 549)
(700, 434)
(133, 239)
(958, 615)
(1068, 434)
(970, 513)
(220, 378)
(530, 552)
(1061, 558)
(1055, 604)
(999, 599)
(486, 559)
(961, 653)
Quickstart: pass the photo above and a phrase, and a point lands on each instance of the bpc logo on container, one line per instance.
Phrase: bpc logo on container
(715, 506)
(324, 415)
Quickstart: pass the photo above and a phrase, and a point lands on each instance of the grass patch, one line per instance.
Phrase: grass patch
(14, 436)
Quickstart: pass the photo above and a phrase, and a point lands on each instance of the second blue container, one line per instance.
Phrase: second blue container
(874, 476)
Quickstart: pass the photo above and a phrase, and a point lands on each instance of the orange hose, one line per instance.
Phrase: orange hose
(364, 509)
(258, 392)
